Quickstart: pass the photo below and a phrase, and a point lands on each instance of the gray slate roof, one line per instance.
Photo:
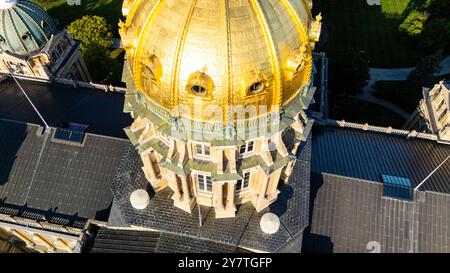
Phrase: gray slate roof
(132, 241)
(66, 184)
(59, 103)
(348, 210)
(368, 155)
(243, 231)
(348, 214)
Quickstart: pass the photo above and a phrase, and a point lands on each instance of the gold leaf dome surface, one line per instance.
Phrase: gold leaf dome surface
(222, 52)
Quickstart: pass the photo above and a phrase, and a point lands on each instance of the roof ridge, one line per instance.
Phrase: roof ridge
(378, 129)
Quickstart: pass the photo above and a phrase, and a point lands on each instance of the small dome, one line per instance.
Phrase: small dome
(24, 26)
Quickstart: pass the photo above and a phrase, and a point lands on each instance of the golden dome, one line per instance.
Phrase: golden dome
(219, 52)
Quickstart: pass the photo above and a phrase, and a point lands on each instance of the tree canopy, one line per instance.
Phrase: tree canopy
(349, 73)
(413, 24)
(95, 36)
(429, 24)
(92, 31)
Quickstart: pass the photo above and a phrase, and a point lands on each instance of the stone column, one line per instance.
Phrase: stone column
(220, 155)
(149, 166)
(230, 197)
(186, 192)
(278, 139)
(218, 196)
(265, 152)
(274, 180)
(232, 160)
(261, 201)
(177, 192)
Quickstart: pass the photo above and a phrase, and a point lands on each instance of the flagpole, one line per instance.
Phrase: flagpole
(29, 100)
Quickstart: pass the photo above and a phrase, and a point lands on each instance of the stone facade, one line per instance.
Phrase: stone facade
(19, 238)
(59, 58)
(435, 109)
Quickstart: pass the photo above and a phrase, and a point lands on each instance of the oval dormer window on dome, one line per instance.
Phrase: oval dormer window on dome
(24, 36)
(198, 89)
(256, 87)
(255, 82)
(199, 83)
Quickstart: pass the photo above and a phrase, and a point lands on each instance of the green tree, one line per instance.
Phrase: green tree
(102, 67)
(349, 73)
(92, 31)
(436, 34)
(95, 36)
(414, 24)
(423, 74)
(439, 8)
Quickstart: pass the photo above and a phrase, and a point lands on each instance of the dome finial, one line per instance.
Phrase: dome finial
(7, 4)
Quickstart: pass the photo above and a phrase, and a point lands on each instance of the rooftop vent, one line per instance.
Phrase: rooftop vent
(397, 187)
(72, 134)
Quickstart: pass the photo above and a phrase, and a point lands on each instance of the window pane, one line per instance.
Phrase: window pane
(242, 150)
(201, 182)
(250, 146)
(246, 180)
(209, 184)
(199, 149)
(239, 185)
(207, 151)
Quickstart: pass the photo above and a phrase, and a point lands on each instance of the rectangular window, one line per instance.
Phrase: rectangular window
(202, 150)
(247, 148)
(246, 180)
(204, 183)
(242, 185)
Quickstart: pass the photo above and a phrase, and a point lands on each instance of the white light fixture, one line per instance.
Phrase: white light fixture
(270, 223)
(139, 199)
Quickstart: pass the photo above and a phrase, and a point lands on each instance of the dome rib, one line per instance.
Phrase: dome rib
(24, 17)
(294, 16)
(3, 25)
(147, 23)
(37, 27)
(273, 52)
(236, 43)
(15, 30)
(230, 99)
(180, 49)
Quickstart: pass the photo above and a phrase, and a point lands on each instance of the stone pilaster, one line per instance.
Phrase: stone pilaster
(185, 201)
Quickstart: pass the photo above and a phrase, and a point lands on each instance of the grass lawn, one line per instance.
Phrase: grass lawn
(354, 110)
(59, 9)
(372, 29)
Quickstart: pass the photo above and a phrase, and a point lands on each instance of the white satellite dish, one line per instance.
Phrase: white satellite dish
(140, 199)
(270, 223)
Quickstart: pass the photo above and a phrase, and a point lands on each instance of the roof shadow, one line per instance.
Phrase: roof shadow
(9, 147)
(315, 243)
